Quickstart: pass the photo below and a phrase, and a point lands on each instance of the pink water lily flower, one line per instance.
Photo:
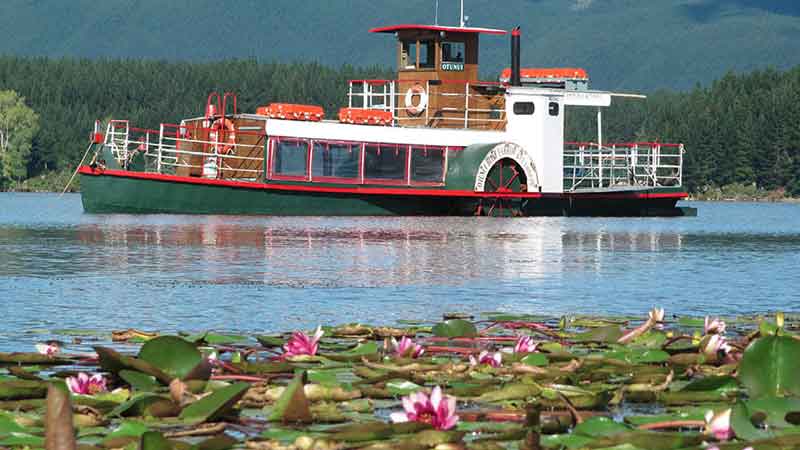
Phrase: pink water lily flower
(406, 348)
(83, 384)
(301, 344)
(525, 344)
(715, 347)
(436, 410)
(719, 425)
(713, 326)
(491, 359)
(50, 349)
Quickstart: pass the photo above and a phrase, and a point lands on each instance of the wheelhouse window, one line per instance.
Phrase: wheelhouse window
(290, 158)
(452, 52)
(408, 56)
(385, 162)
(427, 165)
(335, 160)
(427, 54)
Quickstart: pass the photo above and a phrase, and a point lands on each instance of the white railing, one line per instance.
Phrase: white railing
(383, 95)
(635, 165)
(175, 147)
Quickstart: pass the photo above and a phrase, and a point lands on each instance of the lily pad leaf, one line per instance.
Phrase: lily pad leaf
(139, 381)
(765, 418)
(600, 426)
(770, 367)
(173, 355)
(292, 405)
(114, 362)
(455, 328)
(536, 359)
(402, 387)
(366, 348)
(606, 334)
(215, 405)
(153, 440)
(713, 383)
(212, 338)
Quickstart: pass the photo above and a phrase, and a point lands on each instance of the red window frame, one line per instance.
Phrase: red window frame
(273, 176)
(326, 179)
(387, 181)
(414, 148)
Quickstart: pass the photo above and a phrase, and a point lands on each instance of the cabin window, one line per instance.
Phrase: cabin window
(427, 165)
(553, 108)
(427, 54)
(290, 157)
(335, 160)
(408, 56)
(524, 108)
(385, 162)
(452, 52)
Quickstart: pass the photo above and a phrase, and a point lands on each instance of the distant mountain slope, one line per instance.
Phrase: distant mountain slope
(625, 44)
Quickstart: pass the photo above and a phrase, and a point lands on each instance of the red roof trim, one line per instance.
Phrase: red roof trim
(395, 28)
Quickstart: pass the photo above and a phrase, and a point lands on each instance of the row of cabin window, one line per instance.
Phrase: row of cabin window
(528, 108)
(382, 163)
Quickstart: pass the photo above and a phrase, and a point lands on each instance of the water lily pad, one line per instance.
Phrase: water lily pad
(146, 404)
(770, 367)
(606, 334)
(22, 389)
(455, 328)
(292, 406)
(153, 440)
(215, 405)
(600, 426)
(535, 359)
(212, 338)
(271, 341)
(713, 383)
(139, 381)
(114, 362)
(364, 348)
(402, 387)
(766, 418)
(173, 355)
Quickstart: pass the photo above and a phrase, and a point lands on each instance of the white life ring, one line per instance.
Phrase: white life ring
(415, 110)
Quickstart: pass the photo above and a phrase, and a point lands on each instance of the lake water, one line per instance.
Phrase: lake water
(62, 269)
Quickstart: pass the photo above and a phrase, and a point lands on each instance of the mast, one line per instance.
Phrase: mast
(436, 15)
(462, 14)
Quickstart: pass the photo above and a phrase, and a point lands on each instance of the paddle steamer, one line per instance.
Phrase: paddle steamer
(434, 141)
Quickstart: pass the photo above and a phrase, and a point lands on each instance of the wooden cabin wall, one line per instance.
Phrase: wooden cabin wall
(251, 145)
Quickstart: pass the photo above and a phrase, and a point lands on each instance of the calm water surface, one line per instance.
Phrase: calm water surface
(60, 268)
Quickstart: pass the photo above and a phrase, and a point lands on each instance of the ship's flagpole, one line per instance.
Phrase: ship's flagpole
(436, 19)
(462, 13)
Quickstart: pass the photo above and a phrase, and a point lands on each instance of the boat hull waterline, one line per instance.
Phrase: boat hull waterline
(131, 192)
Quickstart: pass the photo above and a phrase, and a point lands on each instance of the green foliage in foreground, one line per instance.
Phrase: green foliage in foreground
(743, 129)
(576, 382)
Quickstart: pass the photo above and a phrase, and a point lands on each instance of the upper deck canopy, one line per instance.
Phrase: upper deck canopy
(409, 27)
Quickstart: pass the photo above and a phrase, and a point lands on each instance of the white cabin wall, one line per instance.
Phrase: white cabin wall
(540, 134)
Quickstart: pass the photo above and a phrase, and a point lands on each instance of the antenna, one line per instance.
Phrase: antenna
(462, 14)
(436, 20)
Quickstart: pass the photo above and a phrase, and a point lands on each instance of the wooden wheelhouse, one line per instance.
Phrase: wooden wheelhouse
(437, 79)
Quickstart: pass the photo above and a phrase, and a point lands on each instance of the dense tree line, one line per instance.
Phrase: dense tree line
(741, 129)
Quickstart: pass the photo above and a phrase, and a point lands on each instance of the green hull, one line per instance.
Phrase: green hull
(102, 193)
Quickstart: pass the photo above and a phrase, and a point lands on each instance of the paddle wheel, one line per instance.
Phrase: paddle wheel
(505, 177)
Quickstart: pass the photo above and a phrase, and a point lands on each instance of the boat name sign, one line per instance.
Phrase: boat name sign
(511, 151)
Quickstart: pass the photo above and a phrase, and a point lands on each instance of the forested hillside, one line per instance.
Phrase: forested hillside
(741, 129)
(625, 44)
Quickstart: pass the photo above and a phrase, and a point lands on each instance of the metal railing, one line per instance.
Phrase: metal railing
(643, 164)
(173, 148)
(451, 104)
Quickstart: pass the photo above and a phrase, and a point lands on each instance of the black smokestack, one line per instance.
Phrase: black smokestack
(515, 75)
